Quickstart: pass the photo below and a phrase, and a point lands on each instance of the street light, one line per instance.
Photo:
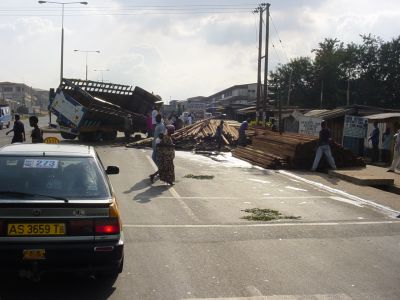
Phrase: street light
(104, 70)
(62, 29)
(87, 51)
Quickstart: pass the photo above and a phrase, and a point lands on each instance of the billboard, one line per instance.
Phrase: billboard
(309, 125)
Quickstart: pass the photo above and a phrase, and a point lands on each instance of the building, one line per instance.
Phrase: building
(228, 101)
(22, 95)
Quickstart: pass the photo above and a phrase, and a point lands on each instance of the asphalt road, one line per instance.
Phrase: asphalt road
(190, 241)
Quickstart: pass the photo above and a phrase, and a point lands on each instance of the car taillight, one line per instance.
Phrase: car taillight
(107, 226)
(80, 227)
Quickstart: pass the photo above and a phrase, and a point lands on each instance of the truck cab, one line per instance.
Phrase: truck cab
(5, 116)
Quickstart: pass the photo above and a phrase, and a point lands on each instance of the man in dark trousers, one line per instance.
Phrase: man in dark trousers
(324, 148)
(374, 138)
(37, 133)
(242, 141)
(19, 131)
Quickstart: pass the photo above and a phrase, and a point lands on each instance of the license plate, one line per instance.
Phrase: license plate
(33, 254)
(28, 229)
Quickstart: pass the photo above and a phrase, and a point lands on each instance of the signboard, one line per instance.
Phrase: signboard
(355, 127)
(309, 125)
(354, 133)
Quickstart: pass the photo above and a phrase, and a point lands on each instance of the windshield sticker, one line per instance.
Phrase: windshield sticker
(40, 164)
(12, 162)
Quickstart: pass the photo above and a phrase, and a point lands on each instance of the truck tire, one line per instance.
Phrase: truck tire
(109, 135)
(87, 136)
(68, 136)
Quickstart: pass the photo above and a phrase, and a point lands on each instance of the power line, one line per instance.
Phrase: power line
(279, 38)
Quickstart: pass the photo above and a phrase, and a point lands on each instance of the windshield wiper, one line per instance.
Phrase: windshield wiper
(23, 194)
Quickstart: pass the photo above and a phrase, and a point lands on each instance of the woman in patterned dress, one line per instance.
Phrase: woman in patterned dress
(165, 156)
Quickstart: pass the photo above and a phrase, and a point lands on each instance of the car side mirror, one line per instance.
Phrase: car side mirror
(112, 170)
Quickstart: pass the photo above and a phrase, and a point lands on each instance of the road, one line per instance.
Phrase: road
(190, 241)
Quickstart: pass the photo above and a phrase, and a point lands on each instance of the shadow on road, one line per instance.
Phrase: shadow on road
(144, 183)
(55, 286)
(152, 192)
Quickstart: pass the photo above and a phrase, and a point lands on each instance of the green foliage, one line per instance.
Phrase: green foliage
(371, 70)
(265, 214)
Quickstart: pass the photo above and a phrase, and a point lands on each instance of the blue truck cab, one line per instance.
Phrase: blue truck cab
(5, 116)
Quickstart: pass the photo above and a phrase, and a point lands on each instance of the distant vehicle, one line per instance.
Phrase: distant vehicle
(5, 116)
(92, 110)
(58, 211)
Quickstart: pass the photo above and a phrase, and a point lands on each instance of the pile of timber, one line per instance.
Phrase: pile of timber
(200, 136)
(291, 151)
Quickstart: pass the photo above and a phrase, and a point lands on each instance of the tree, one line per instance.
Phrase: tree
(301, 72)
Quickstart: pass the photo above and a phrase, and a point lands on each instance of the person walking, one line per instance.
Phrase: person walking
(149, 124)
(386, 143)
(37, 133)
(374, 138)
(159, 130)
(218, 134)
(19, 131)
(396, 153)
(242, 141)
(324, 148)
(165, 156)
(154, 114)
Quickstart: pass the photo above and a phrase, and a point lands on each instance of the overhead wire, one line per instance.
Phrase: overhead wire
(279, 38)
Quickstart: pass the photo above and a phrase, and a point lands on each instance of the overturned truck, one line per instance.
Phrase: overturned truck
(93, 110)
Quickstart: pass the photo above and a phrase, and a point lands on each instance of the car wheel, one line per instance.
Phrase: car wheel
(1, 126)
(8, 125)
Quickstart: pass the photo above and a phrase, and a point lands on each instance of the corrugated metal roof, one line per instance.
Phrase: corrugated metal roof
(330, 114)
(383, 116)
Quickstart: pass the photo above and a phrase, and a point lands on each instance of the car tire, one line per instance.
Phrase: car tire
(68, 136)
(1, 126)
(8, 125)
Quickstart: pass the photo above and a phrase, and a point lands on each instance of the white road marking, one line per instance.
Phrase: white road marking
(387, 210)
(259, 180)
(346, 201)
(253, 290)
(175, 195)
(241, 198)
(295, 188)
(258, 225)
(283, 297)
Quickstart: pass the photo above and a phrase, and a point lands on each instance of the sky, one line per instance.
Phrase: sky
(175, 49)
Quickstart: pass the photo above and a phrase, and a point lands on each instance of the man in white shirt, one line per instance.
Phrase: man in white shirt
(154, 114)
(396, 153)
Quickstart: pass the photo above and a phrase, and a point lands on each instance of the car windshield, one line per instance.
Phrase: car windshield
(60, 177)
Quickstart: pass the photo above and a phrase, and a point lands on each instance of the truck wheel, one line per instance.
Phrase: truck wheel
(87, 136)
(109, 135)
(68, 136)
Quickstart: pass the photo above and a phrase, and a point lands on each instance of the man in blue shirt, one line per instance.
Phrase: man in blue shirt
(324, 148)
(242, 141)
(374, 138)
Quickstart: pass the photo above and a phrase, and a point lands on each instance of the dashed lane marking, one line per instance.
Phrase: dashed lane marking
(175, 195)
(283, 297)
(259, 225)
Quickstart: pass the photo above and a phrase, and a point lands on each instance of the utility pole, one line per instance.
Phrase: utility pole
(266, 63)
(290, 87)
(348, 91)
(322, 91)
(259, 10)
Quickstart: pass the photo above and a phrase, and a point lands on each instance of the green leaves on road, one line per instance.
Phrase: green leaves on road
(199, 176)
(265, 214)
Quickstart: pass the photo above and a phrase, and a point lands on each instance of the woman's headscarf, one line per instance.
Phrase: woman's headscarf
(170, 129)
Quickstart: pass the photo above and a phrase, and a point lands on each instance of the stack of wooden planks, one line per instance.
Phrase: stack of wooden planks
(290, 151)
(200, 136)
